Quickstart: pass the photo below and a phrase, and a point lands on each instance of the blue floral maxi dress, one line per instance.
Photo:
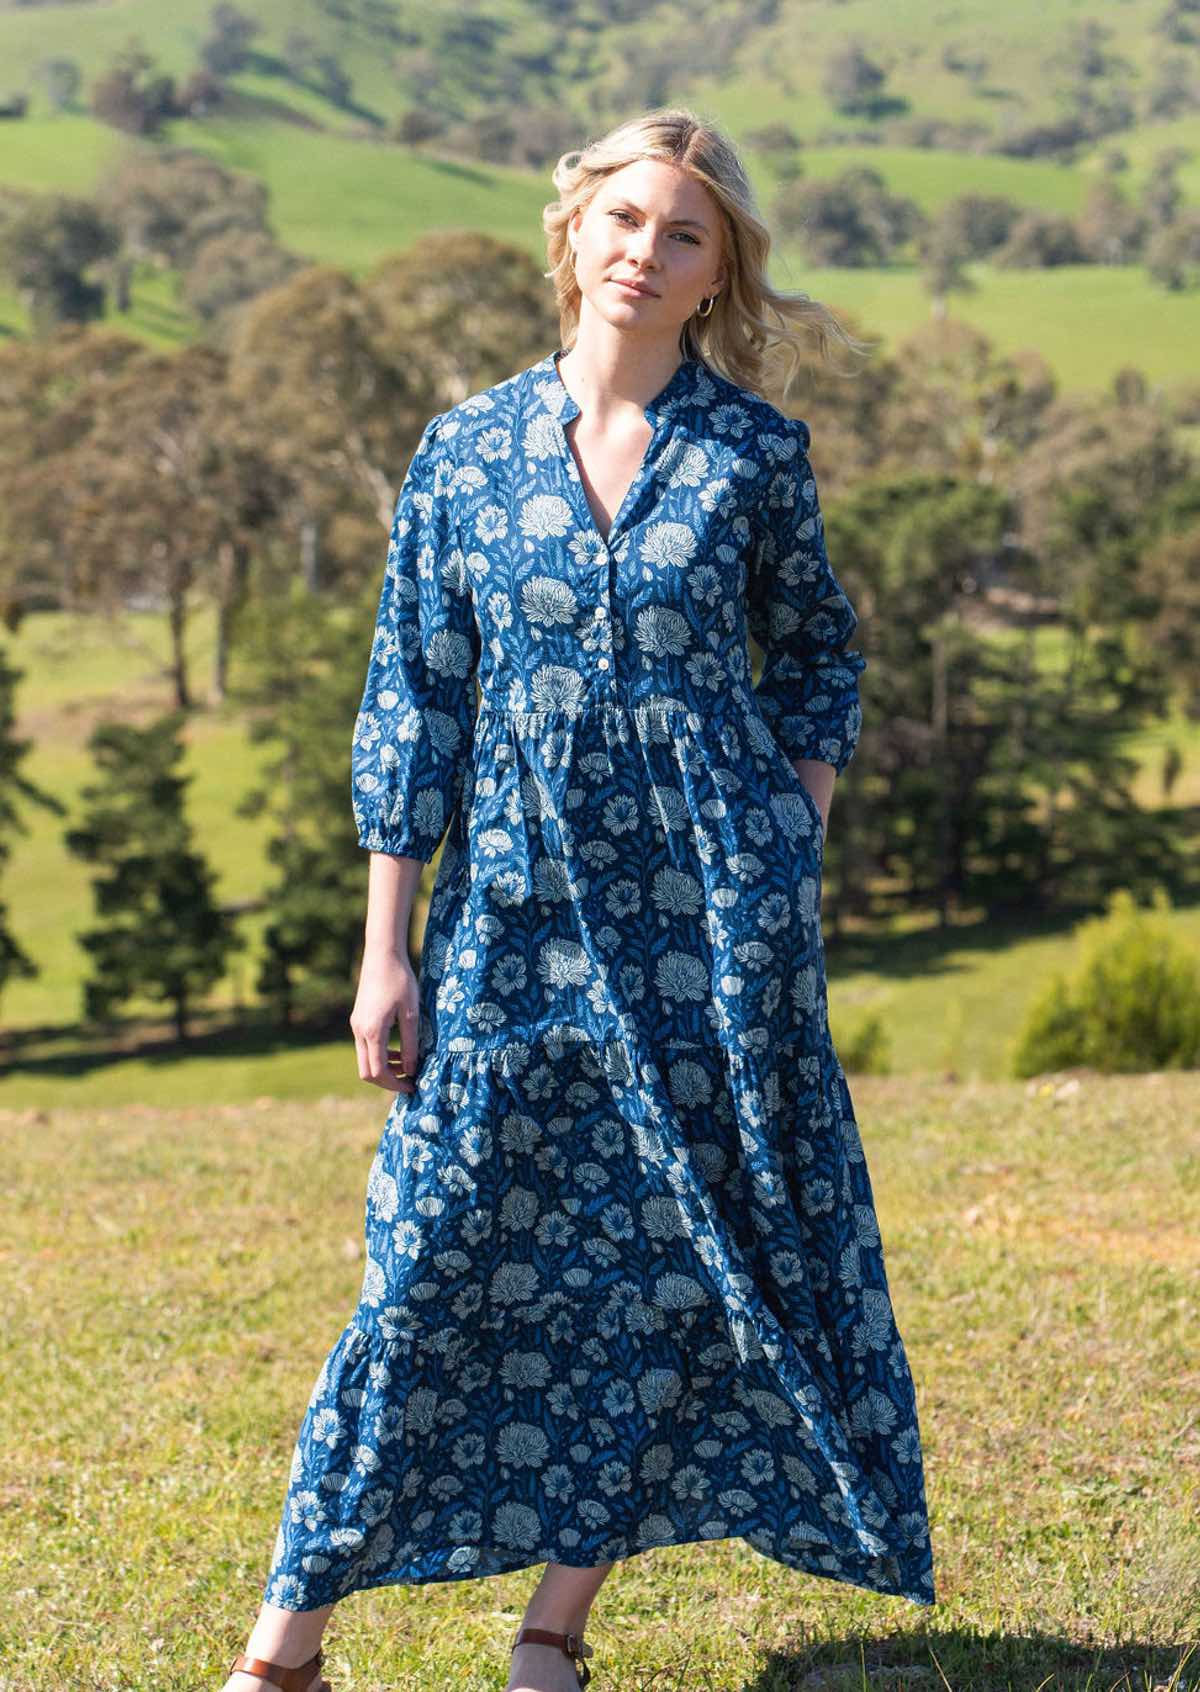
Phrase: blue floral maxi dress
(624, 1280)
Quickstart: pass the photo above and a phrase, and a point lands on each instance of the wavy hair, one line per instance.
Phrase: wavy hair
(753, 326)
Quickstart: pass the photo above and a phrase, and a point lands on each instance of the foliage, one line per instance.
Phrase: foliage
(851, 220)
(852, 81)
(300, 675)
(132, 94)
(1133, 1003)
(46, 249)
(165, 935)
(14, 961)
(169, 201)
(867, 1048)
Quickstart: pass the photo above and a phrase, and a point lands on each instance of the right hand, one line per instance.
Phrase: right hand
(387, 994)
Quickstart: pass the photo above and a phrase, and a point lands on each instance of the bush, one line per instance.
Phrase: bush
(1133, 1005)
(868, 1050)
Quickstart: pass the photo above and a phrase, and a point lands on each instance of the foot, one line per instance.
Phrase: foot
(242, 1681)
(541, 1668)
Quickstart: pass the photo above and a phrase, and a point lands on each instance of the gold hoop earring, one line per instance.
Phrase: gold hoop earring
(710, 302)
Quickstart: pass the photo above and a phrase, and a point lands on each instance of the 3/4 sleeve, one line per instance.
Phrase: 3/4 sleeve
(799, 615)
(412, 735)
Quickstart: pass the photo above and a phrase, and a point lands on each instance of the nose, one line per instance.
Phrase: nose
(642, 252)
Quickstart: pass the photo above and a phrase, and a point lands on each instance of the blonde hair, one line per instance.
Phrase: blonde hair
(753, 327)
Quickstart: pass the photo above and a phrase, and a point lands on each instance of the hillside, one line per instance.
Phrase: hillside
(344, 190)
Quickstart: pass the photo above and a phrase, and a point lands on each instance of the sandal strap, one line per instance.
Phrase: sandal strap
(570, 1643)
(287, 1679)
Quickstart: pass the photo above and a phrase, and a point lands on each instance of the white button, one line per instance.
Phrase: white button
(602, 663)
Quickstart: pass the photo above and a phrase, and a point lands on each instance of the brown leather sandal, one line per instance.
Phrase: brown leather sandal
(570, 1643)
(287, 1679)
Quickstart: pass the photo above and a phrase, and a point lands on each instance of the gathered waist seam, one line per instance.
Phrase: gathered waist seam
(735, 704)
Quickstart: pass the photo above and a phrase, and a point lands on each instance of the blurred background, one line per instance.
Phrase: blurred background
(245, 254)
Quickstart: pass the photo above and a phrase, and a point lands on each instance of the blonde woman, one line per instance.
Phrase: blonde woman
(624, 1283)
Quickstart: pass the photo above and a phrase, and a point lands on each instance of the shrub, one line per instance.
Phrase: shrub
(1134, 1003)
(868, 1050)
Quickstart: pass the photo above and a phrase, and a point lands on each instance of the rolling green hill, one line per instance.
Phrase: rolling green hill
(341, 194)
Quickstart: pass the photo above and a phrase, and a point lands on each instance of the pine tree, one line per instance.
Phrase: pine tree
(13, 786)
(301, 677)
(164, 935)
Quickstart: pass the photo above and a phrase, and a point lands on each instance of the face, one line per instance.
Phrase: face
(654, 225)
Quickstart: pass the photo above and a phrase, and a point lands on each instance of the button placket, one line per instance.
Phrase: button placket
(610, 552)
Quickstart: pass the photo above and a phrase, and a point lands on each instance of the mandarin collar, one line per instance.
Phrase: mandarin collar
(554, 395)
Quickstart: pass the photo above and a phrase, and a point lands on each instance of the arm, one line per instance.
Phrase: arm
(801, 618)
(412, 739)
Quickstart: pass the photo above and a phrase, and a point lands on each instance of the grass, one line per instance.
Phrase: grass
(172, 1290)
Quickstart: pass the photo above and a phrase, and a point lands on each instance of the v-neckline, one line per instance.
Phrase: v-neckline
(570, 409)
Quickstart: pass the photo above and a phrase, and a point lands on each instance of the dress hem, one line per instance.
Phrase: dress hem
(408, 1575)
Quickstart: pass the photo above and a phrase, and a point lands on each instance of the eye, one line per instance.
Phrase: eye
(618, 211)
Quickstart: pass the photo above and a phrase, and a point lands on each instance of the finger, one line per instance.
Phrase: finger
(397, 1067)
(408, 1040)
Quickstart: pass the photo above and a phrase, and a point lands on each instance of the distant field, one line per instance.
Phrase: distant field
(1086, 321)
(172, 1289)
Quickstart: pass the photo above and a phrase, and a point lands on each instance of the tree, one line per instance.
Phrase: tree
(1110, 230)
(46, 250)
(61, 81)
(172, 489)
(131, 95)
(230, 269)
(943, 268)
(976, 224)
(165, 937)
(1041, 240)
(130, 476)
(299, 53)
(336, 406)
(1173, 254)
(466, 308)
(1168, 585)
(168, 202)
(1162, 195)
(299, 678)
(1179, 22)
(852, 82)
(14, 786)
(1175, 89)
(1084, 54)
(226, 48)
(850, 220)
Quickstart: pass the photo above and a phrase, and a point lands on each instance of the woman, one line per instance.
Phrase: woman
(624, 1281)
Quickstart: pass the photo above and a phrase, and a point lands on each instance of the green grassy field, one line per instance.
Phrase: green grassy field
(340, 196)
(171, 1291)
(348, 203)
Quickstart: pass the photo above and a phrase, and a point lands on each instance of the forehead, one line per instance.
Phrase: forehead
(656, 186)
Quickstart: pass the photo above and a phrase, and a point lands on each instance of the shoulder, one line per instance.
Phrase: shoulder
(486, 408)
(762, 427)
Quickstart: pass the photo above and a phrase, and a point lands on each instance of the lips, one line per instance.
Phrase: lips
(635, 287)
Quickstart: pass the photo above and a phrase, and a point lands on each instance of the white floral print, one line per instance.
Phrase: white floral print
(624, 1283)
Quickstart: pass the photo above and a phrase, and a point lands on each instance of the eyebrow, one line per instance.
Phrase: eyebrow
(690, 222)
